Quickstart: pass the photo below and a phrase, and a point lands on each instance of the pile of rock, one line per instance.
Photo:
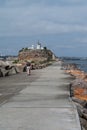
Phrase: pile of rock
(82, 111)
(78, 91)
(34, 65)
(73, 70)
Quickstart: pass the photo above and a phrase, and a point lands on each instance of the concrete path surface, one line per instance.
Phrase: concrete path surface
(43, 104)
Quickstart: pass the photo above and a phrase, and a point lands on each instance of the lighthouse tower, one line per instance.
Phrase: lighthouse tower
(39, 45)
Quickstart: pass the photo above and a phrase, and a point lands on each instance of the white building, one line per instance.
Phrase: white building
(42, 48)
(38, 46)
(32, 47)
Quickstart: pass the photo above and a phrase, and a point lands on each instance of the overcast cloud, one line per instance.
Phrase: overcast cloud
(56, 23)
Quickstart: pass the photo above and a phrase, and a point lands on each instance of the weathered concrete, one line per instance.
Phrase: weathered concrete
(43, 104)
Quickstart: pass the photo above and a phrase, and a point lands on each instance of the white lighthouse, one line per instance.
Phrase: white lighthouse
(38, 46)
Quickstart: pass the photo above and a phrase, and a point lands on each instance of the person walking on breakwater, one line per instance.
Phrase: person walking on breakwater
(28, 68)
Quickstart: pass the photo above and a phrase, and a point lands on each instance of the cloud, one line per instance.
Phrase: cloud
(16, 3)
(37, 18)
(62, 22)
(81, 41)
(64, 46)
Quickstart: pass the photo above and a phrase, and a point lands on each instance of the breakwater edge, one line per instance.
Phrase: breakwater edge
(77, 68)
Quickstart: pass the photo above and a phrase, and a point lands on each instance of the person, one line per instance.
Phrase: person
(28, 67)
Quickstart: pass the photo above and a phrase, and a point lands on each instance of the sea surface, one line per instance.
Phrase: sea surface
(80, 62)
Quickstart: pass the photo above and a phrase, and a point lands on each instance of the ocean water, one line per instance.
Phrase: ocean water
(80, 62)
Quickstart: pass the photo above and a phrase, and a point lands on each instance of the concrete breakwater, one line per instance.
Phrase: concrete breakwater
(78, 90)
(41, 104)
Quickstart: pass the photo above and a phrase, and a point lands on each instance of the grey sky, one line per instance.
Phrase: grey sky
(61, 25)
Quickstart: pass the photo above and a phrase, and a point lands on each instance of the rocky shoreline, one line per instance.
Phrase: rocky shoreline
(78, 91)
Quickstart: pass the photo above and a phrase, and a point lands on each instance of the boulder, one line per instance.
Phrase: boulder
(6, 70)
(79, 82)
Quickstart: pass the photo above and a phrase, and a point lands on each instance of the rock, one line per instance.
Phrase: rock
(78, 89)
(80, 111)
(4, 72)
(79, 83)
(13, 70)
(85, 110)
(84, 116)
(83, 123)
(1, 74)
(85, 104)
(7, 70)
(77, 100)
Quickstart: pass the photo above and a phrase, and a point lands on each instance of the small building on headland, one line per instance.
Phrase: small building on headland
(32, 47)
(38, 47)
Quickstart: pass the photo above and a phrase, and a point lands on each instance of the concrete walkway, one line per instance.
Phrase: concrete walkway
(43, 105)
